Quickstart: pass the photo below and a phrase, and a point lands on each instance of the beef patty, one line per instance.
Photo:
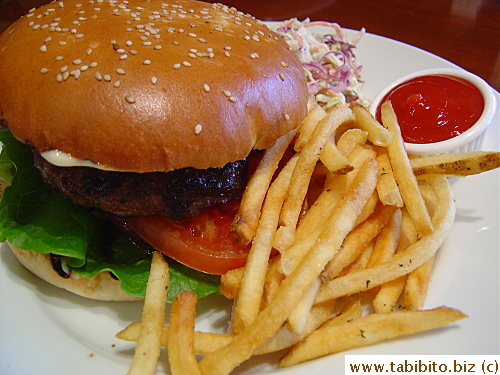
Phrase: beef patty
(179, 194)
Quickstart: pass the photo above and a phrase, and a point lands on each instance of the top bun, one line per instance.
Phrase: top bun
(148, 86)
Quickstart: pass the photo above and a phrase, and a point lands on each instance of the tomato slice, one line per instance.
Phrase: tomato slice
(204, 243)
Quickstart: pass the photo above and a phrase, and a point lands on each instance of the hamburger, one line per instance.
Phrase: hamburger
(131, 126)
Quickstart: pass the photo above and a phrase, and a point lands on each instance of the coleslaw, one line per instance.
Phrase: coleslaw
(330, 64)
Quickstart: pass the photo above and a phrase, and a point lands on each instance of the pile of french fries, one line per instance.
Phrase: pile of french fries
(349, 218)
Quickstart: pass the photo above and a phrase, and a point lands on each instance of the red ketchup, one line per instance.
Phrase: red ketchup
(435, 108)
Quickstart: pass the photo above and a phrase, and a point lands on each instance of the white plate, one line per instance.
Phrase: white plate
(45, 330)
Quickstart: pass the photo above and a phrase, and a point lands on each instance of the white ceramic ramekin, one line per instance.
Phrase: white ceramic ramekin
(470, 140)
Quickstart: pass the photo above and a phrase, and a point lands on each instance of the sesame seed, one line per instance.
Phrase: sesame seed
(192, 35)
(48, 39)
(59, 77)
(77, 61)
(43, 48)
(128, 43)
(84, 68)
(227, 93)
(286, 116)
(76, 73)
(120, 71)
(146, 43)
(62, 42)
(154, 80)
(89, 51)
(64, 68)
(44, 70)
(59, 58)
(186, 63)
(79, 36)
(65, 75)
(123, 57)
(232, 99)
(192, 55)
(176, 66)
(227, 53)
(117, 84)
(146, 62)
(202, 40)
(93, 64)
(157, 47)
(284, 64)
(206, 87)
(98, 76)
(227, 48)
(106, 77)
(197, 129)
(282, 76)
(130, 99)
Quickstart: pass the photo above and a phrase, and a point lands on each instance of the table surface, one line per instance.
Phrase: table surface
(465, 32)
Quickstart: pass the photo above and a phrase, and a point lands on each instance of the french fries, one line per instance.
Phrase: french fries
(377, 134)
(368, 330)
(147, 350)
(252, 285)
(403, 173)
(447, 165)
(401, 263)
(387, 188)
(369, 237)
(180, 342)
(247, 218)
(305, 167)
(204, 342)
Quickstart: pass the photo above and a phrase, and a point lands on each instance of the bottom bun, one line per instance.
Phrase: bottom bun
(102, 287)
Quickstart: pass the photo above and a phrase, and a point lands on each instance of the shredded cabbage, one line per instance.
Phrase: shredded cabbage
(333, 73)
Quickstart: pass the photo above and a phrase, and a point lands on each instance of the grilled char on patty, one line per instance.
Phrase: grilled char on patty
(180, 194)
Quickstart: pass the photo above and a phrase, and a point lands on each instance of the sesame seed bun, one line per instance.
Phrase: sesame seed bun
(102, 287)
(148, 86)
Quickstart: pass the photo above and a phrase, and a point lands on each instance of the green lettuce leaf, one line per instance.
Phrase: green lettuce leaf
(35, 217)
